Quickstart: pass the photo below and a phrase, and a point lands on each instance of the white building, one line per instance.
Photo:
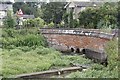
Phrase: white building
(4, 6)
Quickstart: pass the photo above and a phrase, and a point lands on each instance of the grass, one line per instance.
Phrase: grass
(17, 61)
(25, 51)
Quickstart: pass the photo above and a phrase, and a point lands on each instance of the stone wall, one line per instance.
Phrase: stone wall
(74, 39)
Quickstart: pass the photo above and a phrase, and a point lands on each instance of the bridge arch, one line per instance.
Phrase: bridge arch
(77, 50)
(72, 49)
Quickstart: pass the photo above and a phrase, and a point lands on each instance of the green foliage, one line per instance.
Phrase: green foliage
(106, 16)
(9, 21)
(112, 51)
(53, 12)
(104, 73)
(61, 25)
(28, 59)
(24, 48)
(65, 19)
(37, 22)
(61, 62)
(118, 16)
(13, 38)
(51, 25)
(99, 71)
(20, 60)
(71, 18)
(27, 40)
(75, 23)
(15, 52)
(24, 52)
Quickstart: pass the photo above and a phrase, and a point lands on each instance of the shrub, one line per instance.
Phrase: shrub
(50, 25)
(15, 37)
(112, 51)
(102, 17)
(36, 22)
(9, 20)
(39, 22)
(104, 25)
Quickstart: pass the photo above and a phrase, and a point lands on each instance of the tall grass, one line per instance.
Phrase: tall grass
(24, 51)
(15, 38)
(18, 61)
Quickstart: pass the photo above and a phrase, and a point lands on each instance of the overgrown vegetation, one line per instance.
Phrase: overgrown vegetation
(98, 71)
(9, 20)
(102, 17)
(23, 37)
(37, 22)
(25, 51)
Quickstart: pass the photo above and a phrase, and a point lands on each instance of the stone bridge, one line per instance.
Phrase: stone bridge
(74, 40)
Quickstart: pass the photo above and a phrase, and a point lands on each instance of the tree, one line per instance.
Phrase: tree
(65, 19)
(9, 20)
(53, 12)
(105, 15)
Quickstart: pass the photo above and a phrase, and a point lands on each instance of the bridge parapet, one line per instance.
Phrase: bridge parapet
(80, 32)
(75, 40)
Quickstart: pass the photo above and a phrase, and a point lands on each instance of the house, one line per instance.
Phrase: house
(22, 17)
(80, 6)
(4, 6)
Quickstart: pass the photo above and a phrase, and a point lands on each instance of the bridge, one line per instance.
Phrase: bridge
(74, 40)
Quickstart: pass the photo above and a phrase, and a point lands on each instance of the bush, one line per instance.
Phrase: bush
(39, 22)
(9, 20)
(102, 17)
(15, 37)
(112, 51)
(50, 25)
(105, 25)
(36, 22)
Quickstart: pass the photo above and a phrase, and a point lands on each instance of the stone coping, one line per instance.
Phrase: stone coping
(90, 33)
